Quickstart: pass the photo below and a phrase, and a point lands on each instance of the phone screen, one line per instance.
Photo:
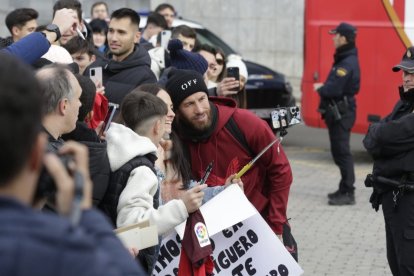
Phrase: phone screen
(108, 118)
(233, 72)
(165, 38)
(95, 74)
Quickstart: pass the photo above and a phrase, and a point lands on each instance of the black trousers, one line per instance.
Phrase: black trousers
(399, 230)
(339, 136)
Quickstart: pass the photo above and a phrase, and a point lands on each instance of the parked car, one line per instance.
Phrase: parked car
(266, 89)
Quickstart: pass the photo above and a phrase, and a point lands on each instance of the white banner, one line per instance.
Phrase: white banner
(232, 205)
(247, 248)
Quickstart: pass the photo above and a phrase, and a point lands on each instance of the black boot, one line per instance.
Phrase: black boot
(334, 194)
(342, 199)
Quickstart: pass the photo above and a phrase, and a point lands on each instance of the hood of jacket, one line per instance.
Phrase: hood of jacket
(139, 57)
(123, 144)
(225, 108)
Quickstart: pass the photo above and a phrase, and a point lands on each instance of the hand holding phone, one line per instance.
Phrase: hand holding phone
(95, 74)
(108, 118)
(233, 72)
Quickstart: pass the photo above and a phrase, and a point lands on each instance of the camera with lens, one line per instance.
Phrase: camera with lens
(284, 117)
(46, 187)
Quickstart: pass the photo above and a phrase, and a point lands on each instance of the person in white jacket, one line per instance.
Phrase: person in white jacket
(144, 125)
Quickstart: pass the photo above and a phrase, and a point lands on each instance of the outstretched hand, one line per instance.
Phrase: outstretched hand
(233, 180)
(66, 19)
(193, 198)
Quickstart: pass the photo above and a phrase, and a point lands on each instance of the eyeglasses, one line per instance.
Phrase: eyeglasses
(220, 61)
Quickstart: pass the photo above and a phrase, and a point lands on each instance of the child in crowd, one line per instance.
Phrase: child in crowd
(133, 192)
(84, 53)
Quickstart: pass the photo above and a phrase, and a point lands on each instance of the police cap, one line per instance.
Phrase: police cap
(345, 29)
(407, 62)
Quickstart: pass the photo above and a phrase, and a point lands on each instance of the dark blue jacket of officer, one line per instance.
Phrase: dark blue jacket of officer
(344, 78)
(338, 108)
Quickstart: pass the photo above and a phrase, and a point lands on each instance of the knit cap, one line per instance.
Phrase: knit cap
(184, 83)
(183, 59)
(236, 61)
(58, 54)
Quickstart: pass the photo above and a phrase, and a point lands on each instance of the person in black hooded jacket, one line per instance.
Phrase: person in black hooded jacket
(128, 64)
(391, 144)
(98, 158)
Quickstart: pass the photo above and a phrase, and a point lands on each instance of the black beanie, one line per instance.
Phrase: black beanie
(184, 83)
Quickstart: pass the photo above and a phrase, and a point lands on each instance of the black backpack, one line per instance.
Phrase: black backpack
(117, 182)
(109, 204)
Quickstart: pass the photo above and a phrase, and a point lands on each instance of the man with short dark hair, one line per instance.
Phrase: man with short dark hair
(82, 51)
(20, 23)
(390, 143)
(129, 63)
(35, 243)
(187, 35)
(155, 24)
(338, 109)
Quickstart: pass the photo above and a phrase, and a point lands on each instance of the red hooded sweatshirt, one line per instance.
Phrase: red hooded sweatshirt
(267, 183)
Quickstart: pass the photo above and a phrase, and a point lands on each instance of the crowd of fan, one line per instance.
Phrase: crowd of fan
(175, 106)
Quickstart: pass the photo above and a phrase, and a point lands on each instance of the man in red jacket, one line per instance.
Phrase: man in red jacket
(204, 129)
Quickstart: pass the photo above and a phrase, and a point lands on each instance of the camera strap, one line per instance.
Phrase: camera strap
(75, 213)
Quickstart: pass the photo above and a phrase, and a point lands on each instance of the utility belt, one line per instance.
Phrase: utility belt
(334, 108)
(382, 185)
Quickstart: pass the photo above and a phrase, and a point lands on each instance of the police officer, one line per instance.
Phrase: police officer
(337, 107)
(391, 144)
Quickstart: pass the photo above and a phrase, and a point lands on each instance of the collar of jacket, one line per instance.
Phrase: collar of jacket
(344, 51)
(406, 97)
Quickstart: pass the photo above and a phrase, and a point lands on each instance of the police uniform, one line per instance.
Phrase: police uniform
(391, 144)
(338, 109)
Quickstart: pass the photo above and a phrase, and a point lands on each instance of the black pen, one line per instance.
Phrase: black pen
(207, 173)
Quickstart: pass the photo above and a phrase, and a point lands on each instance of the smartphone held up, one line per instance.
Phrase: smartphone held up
(165, 38)
(233, 72)
(95, 74)
(108, 118)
